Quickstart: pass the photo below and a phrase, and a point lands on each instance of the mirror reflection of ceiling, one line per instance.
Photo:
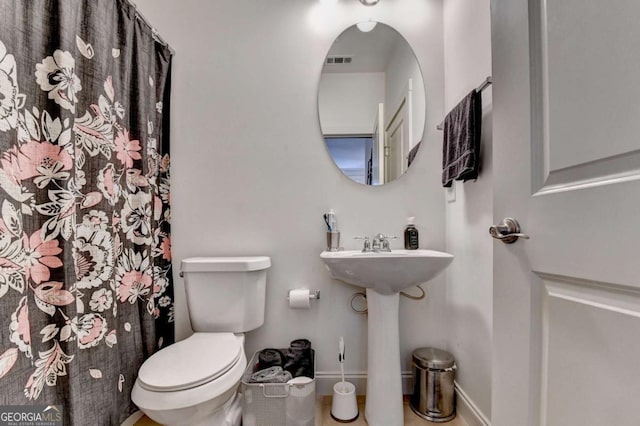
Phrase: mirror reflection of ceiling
(370, 51)
(371, 87)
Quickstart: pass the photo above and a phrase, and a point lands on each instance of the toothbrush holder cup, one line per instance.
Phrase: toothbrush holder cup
(333, 240)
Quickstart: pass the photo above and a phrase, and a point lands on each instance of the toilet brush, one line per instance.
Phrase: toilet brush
(341, 361)
(344, 406)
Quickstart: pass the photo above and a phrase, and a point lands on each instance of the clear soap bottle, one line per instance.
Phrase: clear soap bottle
(411, 235)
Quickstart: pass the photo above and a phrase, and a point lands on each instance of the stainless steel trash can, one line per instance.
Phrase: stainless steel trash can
(433, 396)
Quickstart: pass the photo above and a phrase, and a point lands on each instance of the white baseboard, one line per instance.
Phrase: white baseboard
(326, 379)
(468, 410)
(132, 419)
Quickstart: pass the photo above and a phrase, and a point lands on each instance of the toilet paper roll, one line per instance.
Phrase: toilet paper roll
(299, 299)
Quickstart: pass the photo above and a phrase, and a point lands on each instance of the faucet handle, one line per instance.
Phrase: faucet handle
(367, 244)
(384, 241)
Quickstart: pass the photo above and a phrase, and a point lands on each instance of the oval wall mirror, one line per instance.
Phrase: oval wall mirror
(371, 103)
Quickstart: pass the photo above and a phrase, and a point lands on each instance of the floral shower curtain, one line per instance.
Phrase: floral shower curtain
(85, 261)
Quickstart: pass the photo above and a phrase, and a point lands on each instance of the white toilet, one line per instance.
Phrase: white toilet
(195, 381)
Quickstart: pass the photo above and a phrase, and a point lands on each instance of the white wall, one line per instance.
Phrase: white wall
(467, 41)
(250, 172)
(348, 102)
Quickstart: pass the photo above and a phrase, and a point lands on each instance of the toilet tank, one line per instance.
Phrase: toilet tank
(225, 294)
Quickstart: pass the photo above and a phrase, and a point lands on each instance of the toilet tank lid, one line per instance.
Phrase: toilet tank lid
(228, 264)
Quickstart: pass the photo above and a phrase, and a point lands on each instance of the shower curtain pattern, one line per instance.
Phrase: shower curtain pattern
(85, 248)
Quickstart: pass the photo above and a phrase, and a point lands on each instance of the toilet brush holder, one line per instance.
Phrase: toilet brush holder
(344, 407)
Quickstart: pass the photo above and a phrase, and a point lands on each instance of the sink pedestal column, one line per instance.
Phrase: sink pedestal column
(384, 380)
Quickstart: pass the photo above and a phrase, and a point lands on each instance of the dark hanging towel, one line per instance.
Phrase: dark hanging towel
(461, 144)
(413, 153)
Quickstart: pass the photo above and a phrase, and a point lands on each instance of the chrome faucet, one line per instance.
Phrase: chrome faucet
(380, 243)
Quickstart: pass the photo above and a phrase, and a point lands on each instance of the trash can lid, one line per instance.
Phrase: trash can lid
(433, 358)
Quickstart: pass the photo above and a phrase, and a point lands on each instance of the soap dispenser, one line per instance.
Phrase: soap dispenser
(411, 235)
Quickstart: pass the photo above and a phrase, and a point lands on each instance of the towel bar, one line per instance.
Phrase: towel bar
(486, 83)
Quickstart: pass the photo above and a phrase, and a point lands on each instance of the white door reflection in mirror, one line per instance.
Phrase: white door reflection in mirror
(371, 87)
(377, 150)
(398, 135)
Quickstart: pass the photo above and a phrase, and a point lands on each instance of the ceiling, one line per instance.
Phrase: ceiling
(370, 51)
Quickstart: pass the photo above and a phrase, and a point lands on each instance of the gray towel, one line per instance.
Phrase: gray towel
(461, 144)
(271, 375)
(413, 153)
(299, 358)
(270, 358)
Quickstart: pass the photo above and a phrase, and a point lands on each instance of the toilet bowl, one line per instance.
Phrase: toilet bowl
(195, 381)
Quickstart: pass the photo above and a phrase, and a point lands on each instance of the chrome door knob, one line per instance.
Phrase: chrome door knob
(508, 231)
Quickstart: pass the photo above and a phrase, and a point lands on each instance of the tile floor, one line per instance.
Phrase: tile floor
(323, 416)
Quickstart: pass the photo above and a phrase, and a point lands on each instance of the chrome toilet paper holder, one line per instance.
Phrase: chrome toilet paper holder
(312, 294)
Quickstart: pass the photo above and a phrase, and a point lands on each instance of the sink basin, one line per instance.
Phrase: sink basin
(386, 272)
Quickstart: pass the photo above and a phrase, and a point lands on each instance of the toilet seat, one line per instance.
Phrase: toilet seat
(199, 359)
(216, 391)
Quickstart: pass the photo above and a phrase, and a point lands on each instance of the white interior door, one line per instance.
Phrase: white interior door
(395, 140)
(566, 108)
(377, 137)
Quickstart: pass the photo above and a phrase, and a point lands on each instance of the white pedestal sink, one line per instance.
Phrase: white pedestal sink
(384, 275)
